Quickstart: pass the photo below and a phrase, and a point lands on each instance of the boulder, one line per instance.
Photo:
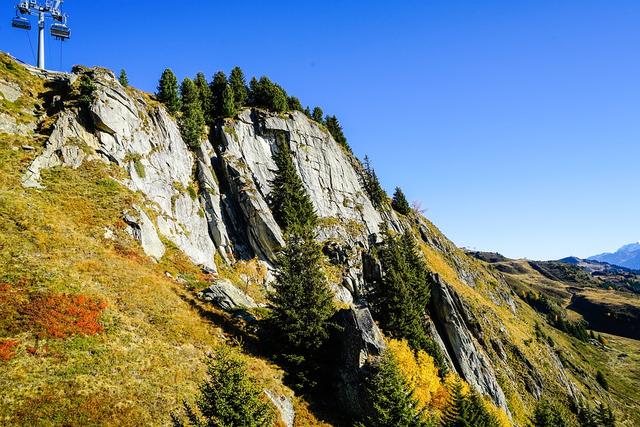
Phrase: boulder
(10, 91)
(142, 229)
(226, 296)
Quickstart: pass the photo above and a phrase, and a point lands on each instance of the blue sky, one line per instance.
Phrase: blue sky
(516, 123)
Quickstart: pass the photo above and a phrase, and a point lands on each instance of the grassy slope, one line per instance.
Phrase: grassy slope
(150, 355)
(619, 361)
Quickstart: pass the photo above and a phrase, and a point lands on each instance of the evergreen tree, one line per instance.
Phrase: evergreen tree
(229, 396)
(228, 102)
(307, 112)
(372, 185)
(335, 129)
(467, 411)
(264, 93)
(218, 88)
(400, 203)
(86, 89)
(168, 91)
(123, 79)
(192, 120)
(302, 301)
(399, 302)
(455, 405)
(204, 94)
(602, 416)
(239, 87)
(294, 104)
(291, 206)
(318, 115)
(302, 306)
(546, 415)
(390, 397)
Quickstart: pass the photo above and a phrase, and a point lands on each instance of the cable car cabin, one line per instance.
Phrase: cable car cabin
(20, 22)
(23, 7)
(60, 31)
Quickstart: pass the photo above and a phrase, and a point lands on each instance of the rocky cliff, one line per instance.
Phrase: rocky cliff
(211, 203)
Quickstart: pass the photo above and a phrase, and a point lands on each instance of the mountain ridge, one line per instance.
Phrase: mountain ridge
(627, 256)
(104, 198)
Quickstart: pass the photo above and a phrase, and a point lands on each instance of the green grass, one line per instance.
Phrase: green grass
(149, 356)
(516, 331)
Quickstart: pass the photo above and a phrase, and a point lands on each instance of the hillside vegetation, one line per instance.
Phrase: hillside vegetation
(94, 331)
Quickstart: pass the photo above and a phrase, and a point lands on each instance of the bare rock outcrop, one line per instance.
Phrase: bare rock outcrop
(142, 229)
(360, 348)
(121, 127)
(226, 296)
(468, 356)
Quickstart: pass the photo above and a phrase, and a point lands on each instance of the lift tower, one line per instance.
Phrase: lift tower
(50, 9)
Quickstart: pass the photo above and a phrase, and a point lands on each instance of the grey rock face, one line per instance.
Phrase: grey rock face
(361, 347)
(142, 229)
(10, 91)
(212, 201)
(145, 141)
(9, 125)
(326, 170)
(470, 360)
(226, 296)
(284, 405)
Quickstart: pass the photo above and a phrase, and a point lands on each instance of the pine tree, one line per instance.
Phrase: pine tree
(601, 416)
(307, 112)
(294, 104)
(546, 415)
(123, 79)
(455, 406)
(302, 306)
(228, 102)
(372, 185)
(239, 87)
(335, 129)
(168, 91)
(204, 94)
(229, 396)
(400, 203)
(86, 89)
(390, 397)
(400, 300)
(218, 87)
(302, 301)
(192, 123)
(318, 115)
(291, 206)
(264, 93)
(467, 410)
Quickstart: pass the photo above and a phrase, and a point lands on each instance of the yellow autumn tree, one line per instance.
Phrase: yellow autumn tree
(421, 374)
(431, 392)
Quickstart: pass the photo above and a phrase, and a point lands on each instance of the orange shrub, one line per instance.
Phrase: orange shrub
(62, 316)
(7, 349)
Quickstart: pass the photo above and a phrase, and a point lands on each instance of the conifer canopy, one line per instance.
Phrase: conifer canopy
(168, 91)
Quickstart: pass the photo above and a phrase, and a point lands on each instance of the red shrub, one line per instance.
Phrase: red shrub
(7, 349)
(62, 316)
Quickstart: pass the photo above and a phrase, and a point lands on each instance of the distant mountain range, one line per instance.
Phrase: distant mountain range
(627, 256)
